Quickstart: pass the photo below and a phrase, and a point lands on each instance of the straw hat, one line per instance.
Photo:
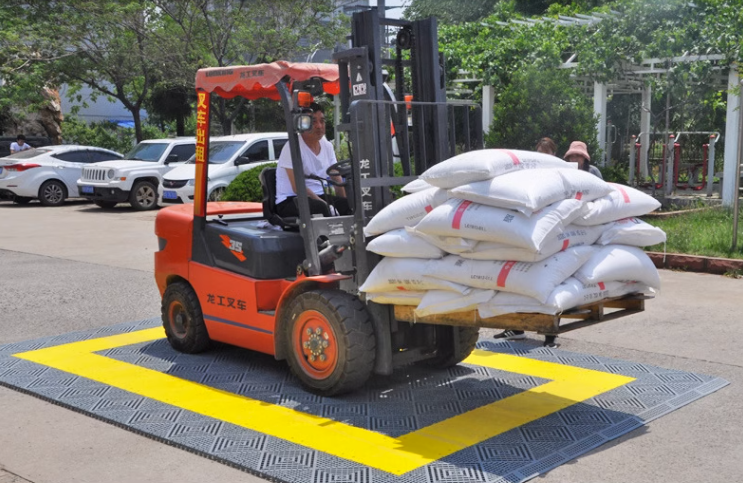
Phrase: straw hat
(579, 148)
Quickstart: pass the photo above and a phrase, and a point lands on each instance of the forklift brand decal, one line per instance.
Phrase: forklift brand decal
(218, 72)
(336, 229)
(229, 302)
(251, 73)
(366, 192)
(235, 247)
(567, 385)
(359, 90)
(202, 141)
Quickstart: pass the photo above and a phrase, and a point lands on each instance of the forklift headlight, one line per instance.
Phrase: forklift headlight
(303, 122)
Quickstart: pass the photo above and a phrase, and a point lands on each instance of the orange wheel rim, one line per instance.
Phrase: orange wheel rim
(315, 344)
(178, 319)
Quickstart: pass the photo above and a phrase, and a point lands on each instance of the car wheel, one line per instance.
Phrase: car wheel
(52, 193)
(22, 200)
(216, 194)
(330, 339)
(143, 196)
(106, 205)
(183, 319)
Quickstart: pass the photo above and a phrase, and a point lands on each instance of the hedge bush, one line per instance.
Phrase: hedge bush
(246, 186)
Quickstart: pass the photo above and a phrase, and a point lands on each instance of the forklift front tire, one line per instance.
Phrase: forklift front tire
(183, 320)
(449, 356)
(331, 340)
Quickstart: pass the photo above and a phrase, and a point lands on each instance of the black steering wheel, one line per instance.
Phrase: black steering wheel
(341, 168)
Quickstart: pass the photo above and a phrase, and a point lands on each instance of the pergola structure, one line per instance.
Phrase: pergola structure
(633, 81)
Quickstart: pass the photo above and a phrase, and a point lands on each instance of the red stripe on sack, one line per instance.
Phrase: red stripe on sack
(401, 288)
(503, 275)
(514, 158)
(602, 286)
(457, 221)
(578, 195)
(565, 245)
(619, 188)
(428, 208)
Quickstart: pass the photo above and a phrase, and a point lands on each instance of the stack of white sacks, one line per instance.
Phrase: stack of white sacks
(508, 231)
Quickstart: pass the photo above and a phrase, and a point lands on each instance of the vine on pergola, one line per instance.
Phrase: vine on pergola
(606, 40)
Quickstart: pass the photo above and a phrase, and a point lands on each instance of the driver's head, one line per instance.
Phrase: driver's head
(318, 125)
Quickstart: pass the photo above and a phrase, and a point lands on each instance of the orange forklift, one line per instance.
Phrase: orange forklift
(240, 274)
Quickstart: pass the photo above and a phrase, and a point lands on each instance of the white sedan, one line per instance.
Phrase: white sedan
(228, 157)
(49, 173)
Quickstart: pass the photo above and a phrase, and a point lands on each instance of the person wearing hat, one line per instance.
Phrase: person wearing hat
(546, 146)
(19, 145)
(578, 153)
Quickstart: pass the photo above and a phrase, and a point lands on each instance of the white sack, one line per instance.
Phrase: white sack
(619, 262)
(405, 211)
(622, 202)
(458, 218)
(442, 302)
(486, 164)
(569, 294)
(399, 297)
(536, 279)
(416, 186)
(402, 244)
(449, 244)
(532, 190)
(631, 231)
(572, 236)
(400, 274)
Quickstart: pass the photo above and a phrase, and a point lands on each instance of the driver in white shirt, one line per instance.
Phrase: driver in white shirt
(317, 156)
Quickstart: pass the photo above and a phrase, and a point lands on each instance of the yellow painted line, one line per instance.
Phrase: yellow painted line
(568, 385)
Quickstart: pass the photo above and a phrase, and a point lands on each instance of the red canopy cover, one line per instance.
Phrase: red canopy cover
(259, 80)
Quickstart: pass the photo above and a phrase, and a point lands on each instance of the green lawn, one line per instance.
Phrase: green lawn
(708, 233)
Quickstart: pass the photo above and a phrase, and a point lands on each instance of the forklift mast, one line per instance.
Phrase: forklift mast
(364, 65)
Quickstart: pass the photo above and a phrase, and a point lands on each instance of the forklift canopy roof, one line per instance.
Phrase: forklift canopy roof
(259, 81)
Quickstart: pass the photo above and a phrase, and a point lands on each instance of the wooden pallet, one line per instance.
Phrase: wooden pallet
(576, 318)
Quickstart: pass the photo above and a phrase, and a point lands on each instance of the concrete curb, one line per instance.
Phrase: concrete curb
(695, 263)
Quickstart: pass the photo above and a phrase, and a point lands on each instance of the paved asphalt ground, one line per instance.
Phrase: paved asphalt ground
(78, 267)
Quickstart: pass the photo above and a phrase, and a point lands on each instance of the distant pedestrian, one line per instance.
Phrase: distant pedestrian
(546, 146)
(19, 145)
(578, 153)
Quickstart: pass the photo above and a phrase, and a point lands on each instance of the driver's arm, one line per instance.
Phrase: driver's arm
(339, 190)
(310, 193)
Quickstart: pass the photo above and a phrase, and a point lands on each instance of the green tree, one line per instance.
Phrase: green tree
(220, 33)
(558, 111)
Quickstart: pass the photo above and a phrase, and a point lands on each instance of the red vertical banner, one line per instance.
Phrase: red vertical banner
(202, 140)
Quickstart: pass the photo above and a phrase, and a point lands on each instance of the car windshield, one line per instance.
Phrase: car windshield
(147, 152)
(29, 153)
(221, 151)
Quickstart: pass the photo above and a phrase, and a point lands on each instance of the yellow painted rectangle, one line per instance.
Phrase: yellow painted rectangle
(397, 455)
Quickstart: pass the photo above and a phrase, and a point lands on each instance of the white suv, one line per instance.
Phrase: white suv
(228, 157)
(135, 179)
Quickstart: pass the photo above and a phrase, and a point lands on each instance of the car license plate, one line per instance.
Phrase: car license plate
(170, 195)
(1, 170)
(88, 189)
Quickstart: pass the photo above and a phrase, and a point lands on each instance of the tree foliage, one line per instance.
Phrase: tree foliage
(130, 50)
(559, 111)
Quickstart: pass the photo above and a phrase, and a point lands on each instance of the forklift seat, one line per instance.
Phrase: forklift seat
(268, 183)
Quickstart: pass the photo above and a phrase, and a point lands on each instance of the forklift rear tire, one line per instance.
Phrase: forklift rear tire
(183, 320)
(448, 358)
(332, 347)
